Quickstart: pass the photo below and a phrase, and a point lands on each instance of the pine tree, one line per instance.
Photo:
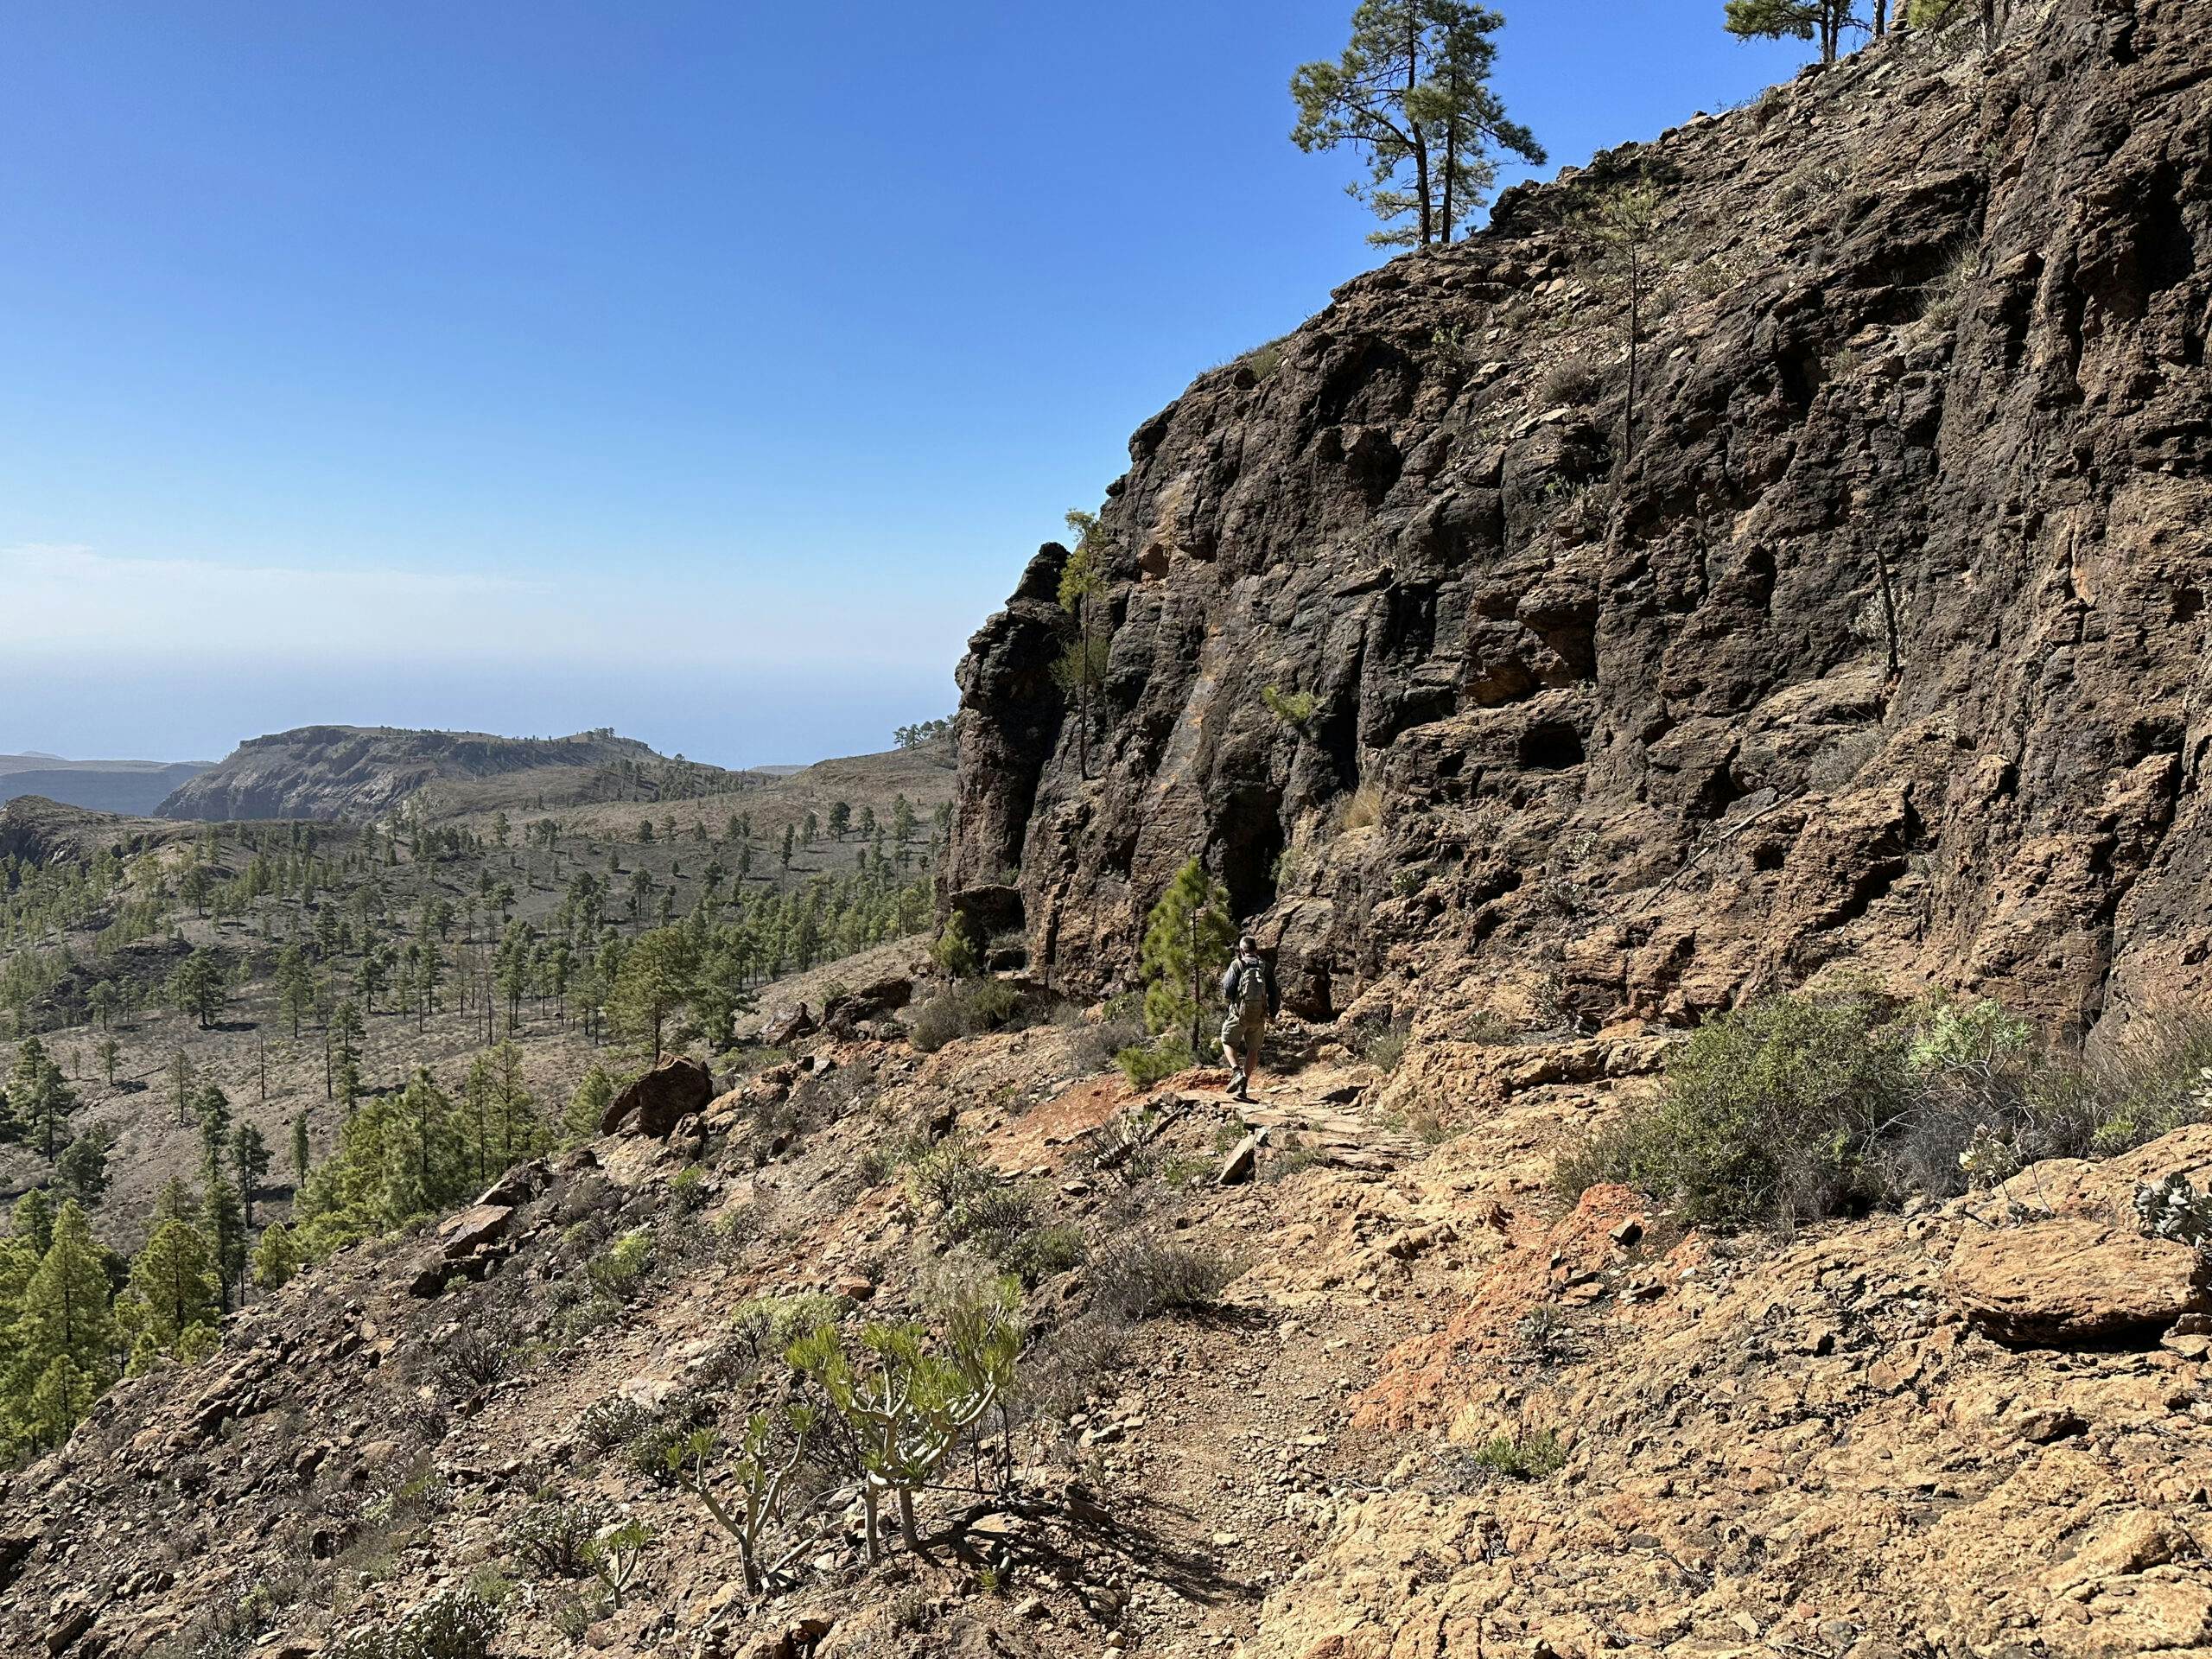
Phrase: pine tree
(1187, 942)
(1825, 21)
(587, 1106)
(227, 1231)
(1080, 668)
(655, 979)
(1411, 92)
(342, 1052)
(275, 1259)
(65, 1317)
(299, 1147)
(83, 1164)
(175, 1282)
(250, 1163)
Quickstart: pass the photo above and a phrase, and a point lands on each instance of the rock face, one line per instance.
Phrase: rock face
(661, 1099)
(2073, 1283)
(1884, 640)
(353, 771)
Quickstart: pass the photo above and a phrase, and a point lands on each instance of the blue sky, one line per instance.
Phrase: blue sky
(698, 367)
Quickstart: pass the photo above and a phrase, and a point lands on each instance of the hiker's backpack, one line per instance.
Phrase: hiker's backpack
(1252, 990)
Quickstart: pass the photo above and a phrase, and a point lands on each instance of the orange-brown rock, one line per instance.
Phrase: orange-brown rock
(2073, 1282)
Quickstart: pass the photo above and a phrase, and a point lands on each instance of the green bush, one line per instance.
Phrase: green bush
(1146, 1064)
(1522, 1457)
(1294, 709)
(1043, 1252)
(452, 1624)
(1815, 1104)
(608, 1422)
(554, 1539)
(616, 1271)
(962, 1010)
(1769, 1113)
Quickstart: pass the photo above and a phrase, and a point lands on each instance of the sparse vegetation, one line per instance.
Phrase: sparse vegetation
(1294, 709)
(1140, 1276)
(1813, 1103)
(1521, 1455)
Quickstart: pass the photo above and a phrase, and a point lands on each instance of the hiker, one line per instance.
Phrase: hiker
(1248, 987)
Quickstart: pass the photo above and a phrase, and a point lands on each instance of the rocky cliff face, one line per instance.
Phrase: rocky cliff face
(356, 772)
(1881, 638)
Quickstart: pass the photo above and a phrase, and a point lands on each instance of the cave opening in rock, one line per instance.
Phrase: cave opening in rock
(1550, 745)
(1249, 837)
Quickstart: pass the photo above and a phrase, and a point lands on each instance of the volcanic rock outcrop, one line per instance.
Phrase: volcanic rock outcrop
(1878, 636)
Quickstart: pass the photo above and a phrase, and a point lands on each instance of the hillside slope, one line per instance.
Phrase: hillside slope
(354, 771)
(1923, 383)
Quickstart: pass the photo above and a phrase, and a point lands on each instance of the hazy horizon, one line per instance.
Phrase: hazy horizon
(496, 367)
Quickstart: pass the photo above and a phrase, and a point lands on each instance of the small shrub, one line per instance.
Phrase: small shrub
(1264, 360)
(2174, 1209)
(648, 1450)
(949, 1174)
(1769, 1113)
(613, 1422)
(477, 1354)
(1546, 1334)
(1944, 297)
(962, 1010)
(766, 1325)
(1294, 709)
(1139, 1277)
(1148, 1063)
(1490, 1029)
(1363, 809)
(1043, 1252)
(911, 1612)
(617, 1271)
(1385, 1048)
(688, 1187)
(995, 1216)
(554, 1539)
(1573, 382)
(992, 1004)
(1522, 1456)
(2155, 1078)
(1185, 1170)
(452, 1624)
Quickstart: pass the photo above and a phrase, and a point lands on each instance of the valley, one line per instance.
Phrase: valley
(1694, 691)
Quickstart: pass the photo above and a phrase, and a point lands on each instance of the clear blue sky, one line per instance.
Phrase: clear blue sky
(699, 367)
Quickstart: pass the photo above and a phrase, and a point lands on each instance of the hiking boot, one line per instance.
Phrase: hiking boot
(1237, 1085)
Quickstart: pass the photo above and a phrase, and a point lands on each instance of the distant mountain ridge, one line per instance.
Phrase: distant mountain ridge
(356, 772)
(129, 786)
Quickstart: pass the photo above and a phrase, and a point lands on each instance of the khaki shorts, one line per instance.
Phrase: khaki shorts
(1241, 1034)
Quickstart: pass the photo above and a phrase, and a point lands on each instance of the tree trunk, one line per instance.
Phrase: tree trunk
(907, 1530)
(1421, 187)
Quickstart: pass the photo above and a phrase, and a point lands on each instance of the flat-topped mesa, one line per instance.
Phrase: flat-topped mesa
(357, 772)
(1877, 638)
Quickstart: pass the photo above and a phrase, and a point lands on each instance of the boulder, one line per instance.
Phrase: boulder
(787, 1027)
(519, 1185)
(473, 1228)
(656, 1103)
(843, 1014)
(2073, 1282)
